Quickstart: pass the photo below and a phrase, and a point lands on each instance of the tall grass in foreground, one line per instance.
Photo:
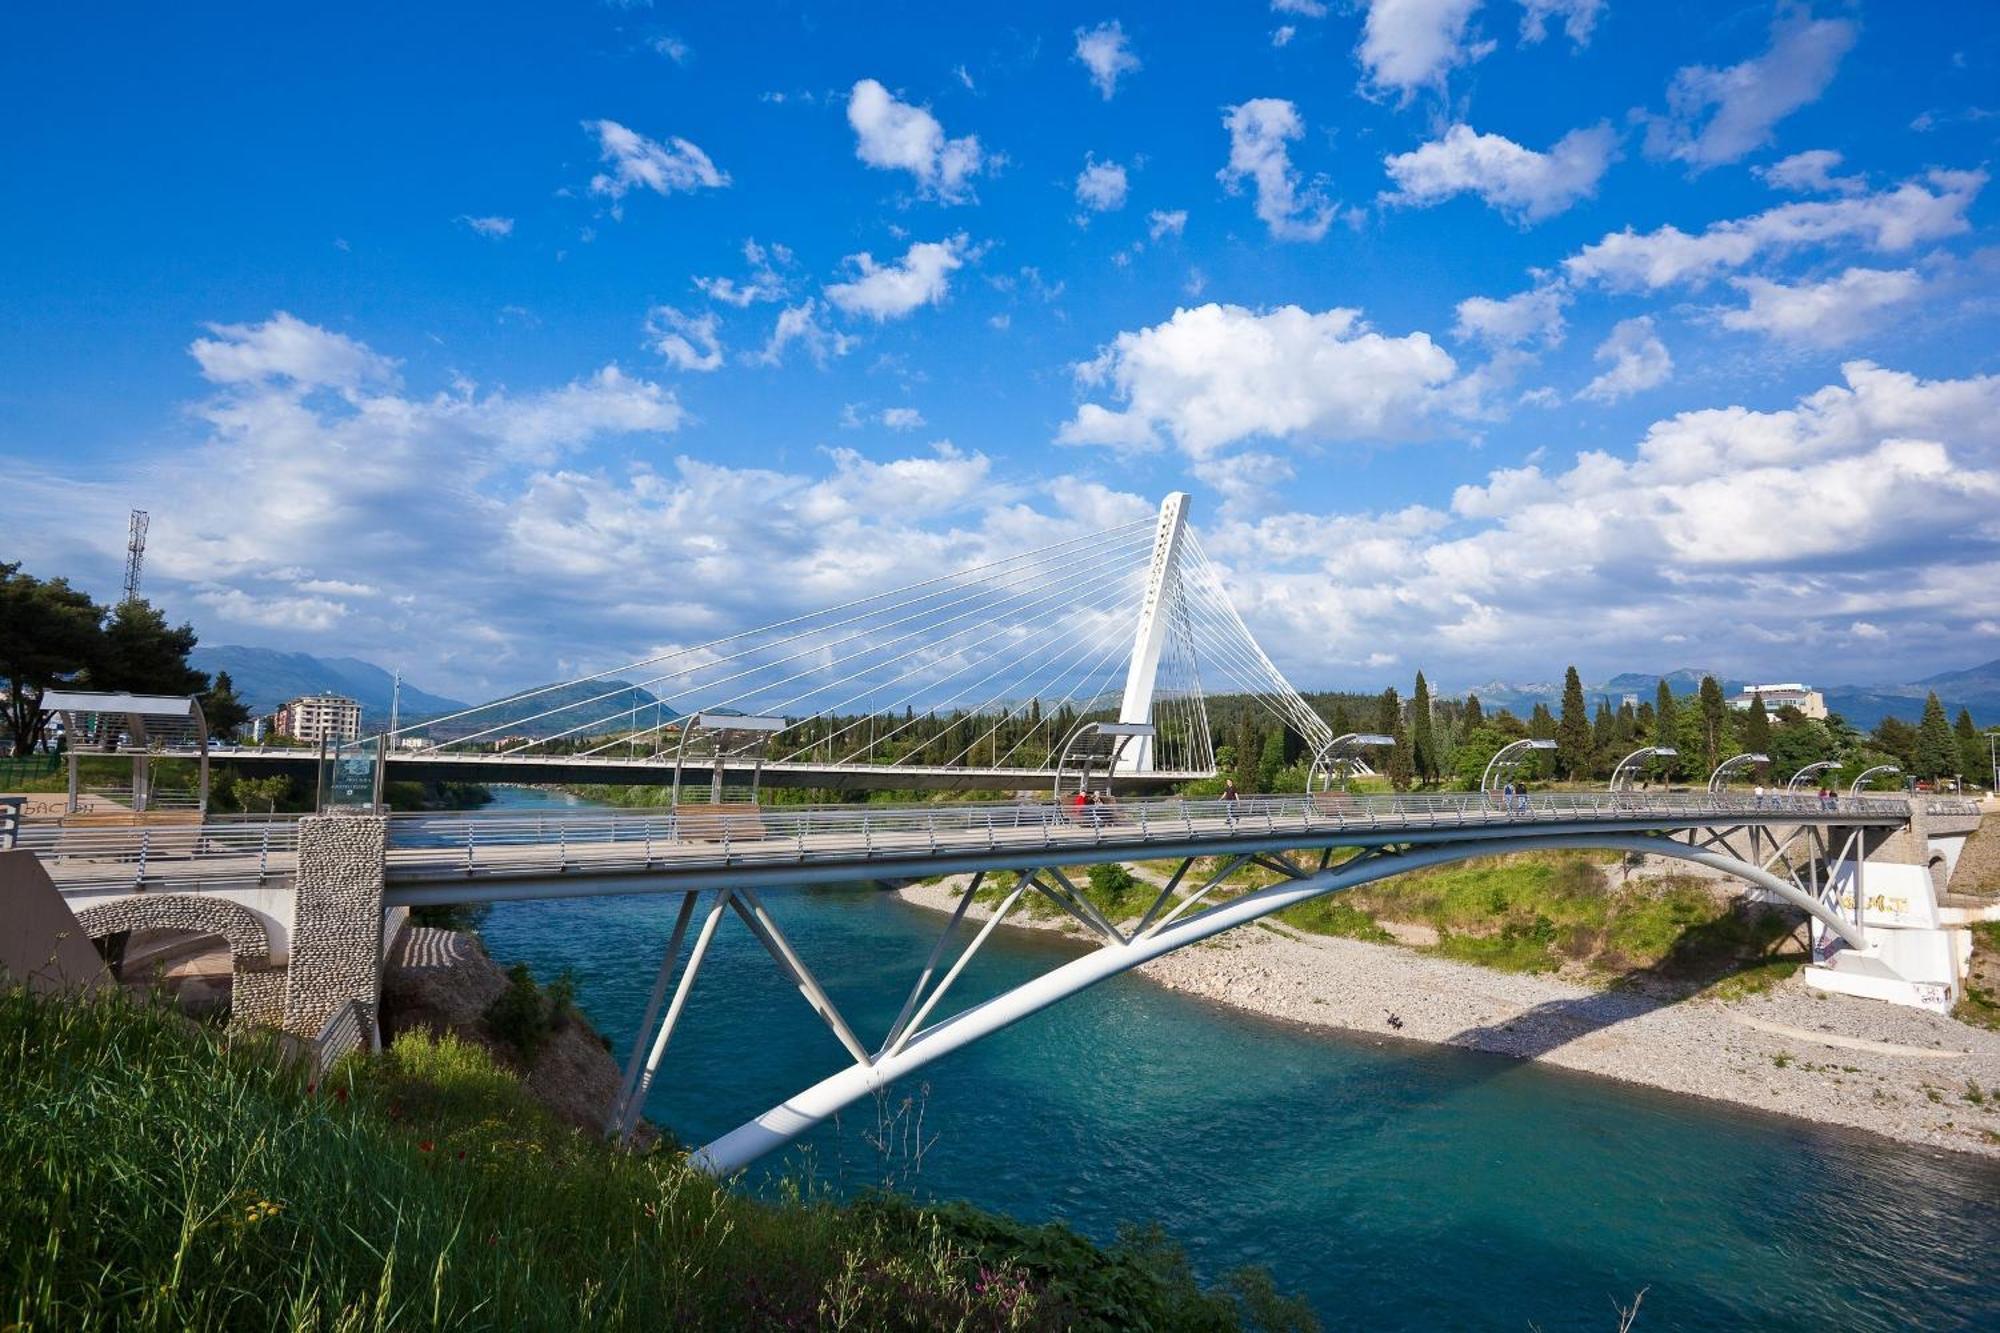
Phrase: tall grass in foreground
(153, 1175)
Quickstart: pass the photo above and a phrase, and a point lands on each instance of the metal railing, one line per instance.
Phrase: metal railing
(218, 852)
(432, 847)
(345, 1031)
(1950, 805)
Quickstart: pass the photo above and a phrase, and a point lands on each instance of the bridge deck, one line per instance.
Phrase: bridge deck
(454, 858)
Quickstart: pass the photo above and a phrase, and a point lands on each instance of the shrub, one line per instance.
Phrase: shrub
(525, 1015)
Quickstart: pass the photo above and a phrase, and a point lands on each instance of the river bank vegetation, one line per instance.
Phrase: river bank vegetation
(155, 1174)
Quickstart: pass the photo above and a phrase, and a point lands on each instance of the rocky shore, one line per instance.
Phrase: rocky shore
(1917, 1077)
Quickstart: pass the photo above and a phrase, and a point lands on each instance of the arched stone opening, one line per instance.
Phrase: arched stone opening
(256, 988)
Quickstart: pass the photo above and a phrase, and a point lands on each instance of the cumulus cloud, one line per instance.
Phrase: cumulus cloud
(1521, 183)
(1668, 541)
(803, 324)
(1579, 19)
(1217, 375)
(891, 291)
(1106, 54)
(1635, 358)
(1890, 221)
(288, 352)
(688, 342)
(1810, 172)
(494, 228)
(1312, 9)
(902, 418)
(1827, 313)
(1162, 223)
(1101, 186)
(636, 162)
(1407, 45)
(898, 136)
(1259, 131)
(1721, 115)
(1535, 315)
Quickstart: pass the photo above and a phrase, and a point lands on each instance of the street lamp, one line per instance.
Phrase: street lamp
(1338, 756)
(1737, 761)
(1861, 780)
(1510, 756)
(1633, 759)
(1799, 778)
(1121, 731)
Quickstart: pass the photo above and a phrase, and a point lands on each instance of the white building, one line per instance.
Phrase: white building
(316, 717)
(1789, 695)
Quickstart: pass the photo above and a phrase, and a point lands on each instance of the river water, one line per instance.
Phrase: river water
(1396, 1185)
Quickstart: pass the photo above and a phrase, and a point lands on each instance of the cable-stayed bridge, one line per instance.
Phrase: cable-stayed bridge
(1098, 653)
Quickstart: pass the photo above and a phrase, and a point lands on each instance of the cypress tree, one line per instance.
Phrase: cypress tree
(1974, 757)
(1937, 748)
(1541, 722)
(1423, 743)
(1402, 761)
(1757, 728)
(1573, 731)
(1666, 729)
(1474, 716)
(1389, 712)
(1714, 721)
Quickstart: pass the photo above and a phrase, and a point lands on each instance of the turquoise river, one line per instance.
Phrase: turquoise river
(1396, 1185)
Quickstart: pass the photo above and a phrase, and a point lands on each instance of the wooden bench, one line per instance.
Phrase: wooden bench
(174, 833)
(737, 821)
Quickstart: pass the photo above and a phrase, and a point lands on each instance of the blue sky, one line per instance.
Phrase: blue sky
(501, 340)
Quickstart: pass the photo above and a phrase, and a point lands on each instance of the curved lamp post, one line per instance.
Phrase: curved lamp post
(1633, 759)
(1737, 761)
(1123, 731)
(1861, 780)
(1798, 778)
(1337, 756)
(1510, 756)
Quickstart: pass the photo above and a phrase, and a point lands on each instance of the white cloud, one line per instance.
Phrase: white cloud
(802, 324)
(897, 136)
(1312, 9)
(1579, 18)
(765, 282)
(688, 342)
(1282, 36)
(1411, 44)
(1889, 221)
(1100, 186)
(891, 291)
(1744, 102)
(902, 418)
(1160, 223)
(637, 162)
(1106, 54)
(1535, 315)
(1525, 185)
(1827, 313)
(286, 350)
(493, 227)
(1217, 375)
(1258, 132)
(1636, 358)
(673, 48)
(1810, 172)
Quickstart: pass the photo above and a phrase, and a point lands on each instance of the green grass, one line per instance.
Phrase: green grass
(155, 1175)
(1334, 915)
(1980, 1006)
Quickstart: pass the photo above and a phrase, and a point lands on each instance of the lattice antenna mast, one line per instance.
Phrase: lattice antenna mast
(135, 554)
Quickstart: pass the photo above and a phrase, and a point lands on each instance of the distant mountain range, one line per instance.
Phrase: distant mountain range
(1976, 688)
(265, 678)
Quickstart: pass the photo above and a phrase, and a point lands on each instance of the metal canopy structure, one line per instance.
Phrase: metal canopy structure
(1339, 759)
(1726, 767)
(1508, 758)
(1633, 760)
(727, 735)
(142, 727)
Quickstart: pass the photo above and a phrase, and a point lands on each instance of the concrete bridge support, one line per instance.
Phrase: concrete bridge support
(337, 920)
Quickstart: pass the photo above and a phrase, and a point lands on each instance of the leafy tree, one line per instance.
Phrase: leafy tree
(49, 634)
(1402, 766)
(1423, 743)
(1573, 748)
(1666, 728)
(1389, 712)
(1714, 722)
(1475, 752)
(249, 793)
(1541, 722)
(1757, 727)
(1799, 742)
(1271, 761)
(1603, 735)
(1474, 717)
(1897, 739)
(140, 652)
(1937, 748)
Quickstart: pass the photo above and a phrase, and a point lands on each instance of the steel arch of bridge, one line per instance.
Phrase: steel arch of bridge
(1169, 925)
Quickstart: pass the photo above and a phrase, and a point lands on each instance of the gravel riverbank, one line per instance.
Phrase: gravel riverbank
(1904, 1073)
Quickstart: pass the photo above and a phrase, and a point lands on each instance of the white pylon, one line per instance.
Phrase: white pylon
(1151, 638)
